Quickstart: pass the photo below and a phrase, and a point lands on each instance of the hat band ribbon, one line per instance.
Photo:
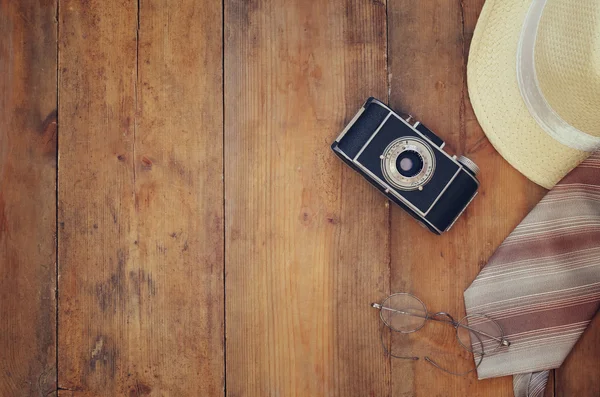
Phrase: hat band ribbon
(529, 86)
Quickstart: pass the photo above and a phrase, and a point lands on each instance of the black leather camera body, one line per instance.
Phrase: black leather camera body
(407, 163)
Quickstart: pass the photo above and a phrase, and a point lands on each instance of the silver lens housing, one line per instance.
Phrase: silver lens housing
(389, 160)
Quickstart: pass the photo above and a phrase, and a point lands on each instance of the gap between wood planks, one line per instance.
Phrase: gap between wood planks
(135, 126)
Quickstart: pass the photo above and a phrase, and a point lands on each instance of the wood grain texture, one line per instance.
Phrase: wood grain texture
(428, 43)
(306, 237)
(97, 82)
(179, 196)
(140, 199)
(27, 198)
(307, 244)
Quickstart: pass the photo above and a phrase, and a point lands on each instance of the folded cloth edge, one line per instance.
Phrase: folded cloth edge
(531, 384)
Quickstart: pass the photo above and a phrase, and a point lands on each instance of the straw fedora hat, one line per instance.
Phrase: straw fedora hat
(534, 82)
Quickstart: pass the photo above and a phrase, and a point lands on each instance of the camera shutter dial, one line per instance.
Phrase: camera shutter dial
(407, 163)
(468, 164)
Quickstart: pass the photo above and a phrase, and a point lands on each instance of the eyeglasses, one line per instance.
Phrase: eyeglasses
(477, 333)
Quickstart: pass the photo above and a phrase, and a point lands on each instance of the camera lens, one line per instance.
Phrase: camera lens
(409, 163)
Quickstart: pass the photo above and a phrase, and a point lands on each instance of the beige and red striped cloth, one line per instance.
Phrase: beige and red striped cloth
(543, 284)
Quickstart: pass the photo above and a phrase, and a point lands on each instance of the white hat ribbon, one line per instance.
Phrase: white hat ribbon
(532, 94)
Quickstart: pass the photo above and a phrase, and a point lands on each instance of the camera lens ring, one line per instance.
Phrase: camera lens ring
(409, 163)
(408, 181)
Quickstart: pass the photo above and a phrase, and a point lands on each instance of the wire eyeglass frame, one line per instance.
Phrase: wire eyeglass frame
(442, 317)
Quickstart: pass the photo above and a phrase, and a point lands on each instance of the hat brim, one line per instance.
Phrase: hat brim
(497, 101)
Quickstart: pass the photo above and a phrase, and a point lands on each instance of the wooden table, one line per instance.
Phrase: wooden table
(173, 223)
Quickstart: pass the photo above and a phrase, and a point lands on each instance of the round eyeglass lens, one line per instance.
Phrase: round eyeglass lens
(403, 312)
(479, 334)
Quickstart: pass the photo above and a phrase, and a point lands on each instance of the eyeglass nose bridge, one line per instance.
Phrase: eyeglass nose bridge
(452, 320)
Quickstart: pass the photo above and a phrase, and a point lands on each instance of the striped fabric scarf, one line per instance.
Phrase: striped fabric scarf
(543, 284)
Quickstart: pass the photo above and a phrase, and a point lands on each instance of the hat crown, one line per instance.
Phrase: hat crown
(567, 61)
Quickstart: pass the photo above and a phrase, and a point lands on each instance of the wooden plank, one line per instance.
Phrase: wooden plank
(179, 194)
(97, 81)
(27, 198)
(141, 199)
(550, 386)
(428, 46)
(306, 237)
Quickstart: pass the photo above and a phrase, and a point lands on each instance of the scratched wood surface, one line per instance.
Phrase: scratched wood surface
(140, 199)
(209, 243)
(306, 238)
(27, 198)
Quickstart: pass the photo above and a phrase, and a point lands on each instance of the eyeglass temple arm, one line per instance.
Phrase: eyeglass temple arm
(379, 307)
(456, 324)
(430, 361)
(503, 341)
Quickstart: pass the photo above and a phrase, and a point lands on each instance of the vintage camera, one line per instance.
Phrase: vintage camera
(407, 163)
